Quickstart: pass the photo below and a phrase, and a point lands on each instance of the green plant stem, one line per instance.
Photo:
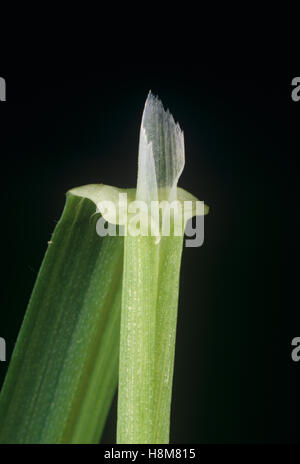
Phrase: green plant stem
(147, 342)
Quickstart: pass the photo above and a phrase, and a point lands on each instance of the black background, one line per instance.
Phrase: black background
(234, 379)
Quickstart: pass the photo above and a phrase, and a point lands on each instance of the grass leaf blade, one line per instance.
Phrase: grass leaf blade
(63, 372)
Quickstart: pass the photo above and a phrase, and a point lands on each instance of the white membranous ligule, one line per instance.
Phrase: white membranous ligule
(157, 207)
(161, 153)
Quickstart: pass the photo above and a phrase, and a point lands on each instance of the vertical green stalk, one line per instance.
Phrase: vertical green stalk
(150, 289)
(148, 332)
(137, 354)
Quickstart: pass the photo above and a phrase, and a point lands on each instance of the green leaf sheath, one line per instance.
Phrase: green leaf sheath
(64, 368)
(147, 343)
